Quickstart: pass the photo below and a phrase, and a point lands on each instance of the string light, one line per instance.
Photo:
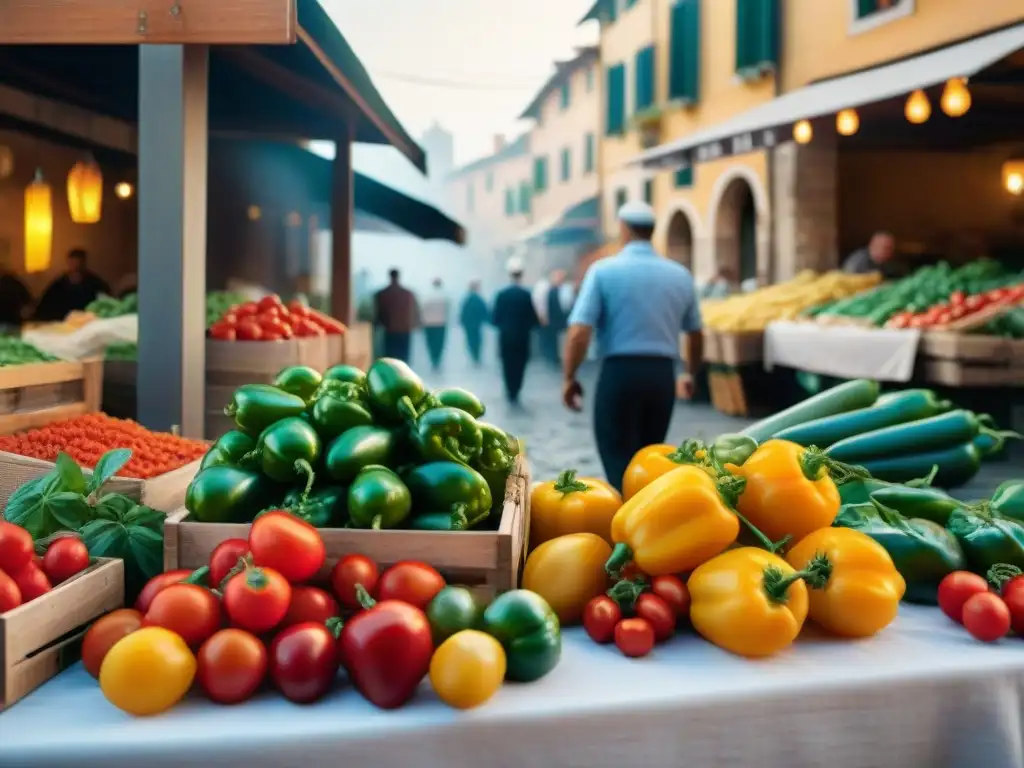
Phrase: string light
(956, 99)
(847, 122)
(918, 108)
(803, 132)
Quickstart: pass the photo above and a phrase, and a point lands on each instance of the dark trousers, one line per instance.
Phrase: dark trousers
(474, 342)
(436, 335)
(632, 409)
(397, 345)
(549, 343)
(515, 353)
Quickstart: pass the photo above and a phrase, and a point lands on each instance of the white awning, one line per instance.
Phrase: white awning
(755, 128)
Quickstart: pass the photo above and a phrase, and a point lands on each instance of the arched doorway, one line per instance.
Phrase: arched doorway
(736, 231)
(680, 239)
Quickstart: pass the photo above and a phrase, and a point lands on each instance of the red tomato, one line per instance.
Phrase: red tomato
(229, 318)
(274, 324)
(918, 322)
(659, 614)
(1017, 293)
(270, 301)
(64, 558)
(411, 582)
(290, 546)
(223, 331)
(976, 302)
(257, 599)
(10, 595)
(898, 321)
(191, 611)
(297, 308)
(956, 589)
(158, 584)
(224, 557)
(232, 664)
(329, 324)
(634, 637)
(248, 330)
(600, 616)
(304, 662)
(673, 591)
(956, 298)
(986, 617)
(32, 582)
(997, 295)
(272, 336)
(944, 317)
(104, 634)
(310, 604)
(16, 547)
(349, 571)
(249, 309)
(1013, 596)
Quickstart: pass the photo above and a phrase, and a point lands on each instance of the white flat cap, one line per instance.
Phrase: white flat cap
(638, 213)
(514, 265)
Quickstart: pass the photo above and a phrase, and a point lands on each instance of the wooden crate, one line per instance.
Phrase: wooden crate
(946, 345)
(359, 345)
(335, 350)
(954, 373)
(164, 493)
(489, 561)
(728, 395)
(712, 347)
(40, 393)
(33, 635)
(741, 348)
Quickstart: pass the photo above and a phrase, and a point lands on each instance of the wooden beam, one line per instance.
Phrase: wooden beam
(342, 220)
(133, 22)
(72, 121)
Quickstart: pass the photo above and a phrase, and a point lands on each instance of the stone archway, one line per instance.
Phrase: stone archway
(680, 239)
(735, 231)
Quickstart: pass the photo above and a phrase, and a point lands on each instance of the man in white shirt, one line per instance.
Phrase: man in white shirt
(434, 318)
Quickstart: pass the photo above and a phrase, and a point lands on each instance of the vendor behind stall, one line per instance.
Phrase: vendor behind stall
(75, 289)
(15, 299)
(876, 257)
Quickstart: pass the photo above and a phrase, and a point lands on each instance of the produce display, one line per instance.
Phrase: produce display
(269, 319)
(14, 351)
(782, 301)
(75, 321)
(353, 449)
(122, 351)
(106, 307)
(24, 576)
(87, 438)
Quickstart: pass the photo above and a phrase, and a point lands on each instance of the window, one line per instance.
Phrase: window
(757, 37)
(590, 79)
(644, 94)
(489, 181)
(469, 198)
(621, 196)
(684, 177)
(525, 196)
(565, 95)
(628, 4)
(540, 174)
(510, 201)
(649, 191)
(868, 14)
(684, 52)
(611, 12)
(566, 164)
(615, 120)
(588, 153)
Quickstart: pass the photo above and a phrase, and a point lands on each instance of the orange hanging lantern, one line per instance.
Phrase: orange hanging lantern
(85, 192)
(38, 224)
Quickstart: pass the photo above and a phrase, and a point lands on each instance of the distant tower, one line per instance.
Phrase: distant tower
(439, 145)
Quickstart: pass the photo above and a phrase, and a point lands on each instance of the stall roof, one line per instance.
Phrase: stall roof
(755, 128)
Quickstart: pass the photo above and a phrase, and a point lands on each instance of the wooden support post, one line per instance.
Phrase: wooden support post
(341, 231)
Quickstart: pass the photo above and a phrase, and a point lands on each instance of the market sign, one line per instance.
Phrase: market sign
(136, 22)
(740, 144)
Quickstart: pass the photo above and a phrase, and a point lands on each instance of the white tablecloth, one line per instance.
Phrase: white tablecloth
(846, 352)
(921, 694)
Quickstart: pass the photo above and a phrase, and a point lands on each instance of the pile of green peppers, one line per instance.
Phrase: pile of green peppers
(356, 449)
(14, 351)
(929, 534)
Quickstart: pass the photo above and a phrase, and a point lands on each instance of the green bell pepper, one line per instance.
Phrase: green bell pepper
(300, 380)
(498, 449)
(226, 494)
(463, 399)
(732, 449)
(446, 486)
(337, 409)
(254, 407)
(447, 434)
(987, 537)
(455, 520)
(346, 373)
(923, 503)
(378, 499)
(229, 449)
(357, 448)
(452, 610)
(528, 630)
(395, 390)
(287, 451)
(1008, 500)
(325, 506)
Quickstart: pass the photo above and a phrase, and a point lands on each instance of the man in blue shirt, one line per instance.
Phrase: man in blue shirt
(515, 318)
(638, 302)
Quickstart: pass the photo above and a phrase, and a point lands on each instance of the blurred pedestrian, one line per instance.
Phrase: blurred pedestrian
(515, 318)
(639, 303)
(472, 316)
(75, 289)
(876, 257)
(15, 300)
(434, 315)
(554, 317)
(398, 313)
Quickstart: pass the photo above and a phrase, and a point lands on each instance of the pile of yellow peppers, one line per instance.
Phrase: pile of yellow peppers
(750, 524)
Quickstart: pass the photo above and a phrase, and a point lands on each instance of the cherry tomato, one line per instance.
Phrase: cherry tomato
(986, 617)
(249, 309)
(232, 665)
(304, 662)
(600, 616)
(16, 547)
(290, 546)
(1017, 293)
(104, 634)
(270, 301)
(64, 558)
(659, 614)
(158, 584)
(956, 298)
(10, 595)
(673, 591)
(634, 637)
(223, 331)
(976, 302)
(191, 611)
(297, 308)
(1013, 596)
(272, 336)
(248, 330)
(310, 604)
(147, 672)
(349, 571)
(997, 295)
(410, 581)
(305, 328)
(943, 317)
(224, 557)
(257, 599)
(32, 582)
(956, 589)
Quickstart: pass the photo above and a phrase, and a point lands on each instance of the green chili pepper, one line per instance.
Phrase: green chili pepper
(337, 409)
(287, 451)
(859, 490)
(226, 494)
(1008, 500)
(357, 448)
(378, 499)
(229, 449)
(528, 630)
(254, 407)
(300, 380)
(447, 434)
(987, 537)
(924, 503)
(395, 390)
(452, 610)
(463, 399)
(346, 373)
(497, 449)
(444, 486)
(732, 449)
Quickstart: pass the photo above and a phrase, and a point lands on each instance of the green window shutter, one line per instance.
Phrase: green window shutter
(510, 201)
(540, 174)
(866, 8)
(524, 197)
(630, 4)
(611, 11)
(684, 52)
(588, 153)
(684, 177)
(649, 192)
(566, 94)
(644, 74)
(620, 198)
(615, 120)
(566, 164)
(757, 36)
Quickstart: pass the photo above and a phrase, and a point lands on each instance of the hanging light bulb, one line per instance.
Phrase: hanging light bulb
(802, 132)
(1013, 176)
(847, 122)
(85, 192)
(918, 108)
(956, 99)
(123, 190)
(38, 224)
(254, 212)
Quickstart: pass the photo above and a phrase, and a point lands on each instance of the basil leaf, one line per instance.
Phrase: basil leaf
(146, 549)
(69, 510)
(104, 538)
(110, 464)
(27, 506)
(146, 518)
(114, 506)
(71, 477)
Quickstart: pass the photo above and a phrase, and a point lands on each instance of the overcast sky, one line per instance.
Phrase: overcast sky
(471, 65)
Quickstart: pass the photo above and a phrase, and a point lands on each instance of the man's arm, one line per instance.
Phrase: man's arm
(692, 326)
(577, 342)
(585, 315)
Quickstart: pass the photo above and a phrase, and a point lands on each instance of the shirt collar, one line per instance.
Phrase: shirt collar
(638, 248)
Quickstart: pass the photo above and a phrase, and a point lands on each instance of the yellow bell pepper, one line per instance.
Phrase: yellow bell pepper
(568, 572)
(749, 601)
(571, 504)
(650, 463)
(862, 593)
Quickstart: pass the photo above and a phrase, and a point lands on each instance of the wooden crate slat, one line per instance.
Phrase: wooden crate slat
(34, 374)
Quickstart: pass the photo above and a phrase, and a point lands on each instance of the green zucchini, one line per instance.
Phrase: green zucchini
(895, 408)
(931, 434)
(848, 396)
(956, 466)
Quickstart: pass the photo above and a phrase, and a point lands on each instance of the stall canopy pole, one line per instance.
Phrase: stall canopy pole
(173, 134)
(341, 230)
